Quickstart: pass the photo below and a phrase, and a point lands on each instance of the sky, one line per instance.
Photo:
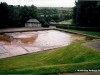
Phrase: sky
(42, 3)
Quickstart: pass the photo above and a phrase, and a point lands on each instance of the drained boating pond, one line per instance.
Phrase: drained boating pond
(18, 43)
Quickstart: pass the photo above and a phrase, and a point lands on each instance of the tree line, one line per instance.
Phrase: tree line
(16, 16)
(87, 14)
(55, 14)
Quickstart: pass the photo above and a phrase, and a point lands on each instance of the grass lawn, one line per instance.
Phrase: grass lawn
(66, 59)
(65, 22)
(93, 33)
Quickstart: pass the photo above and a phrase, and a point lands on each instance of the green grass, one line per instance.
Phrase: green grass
(66, 59)
(93, 33)
(65, 22)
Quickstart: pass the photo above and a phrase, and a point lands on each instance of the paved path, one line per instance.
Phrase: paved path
(23, 29)
(94, 45)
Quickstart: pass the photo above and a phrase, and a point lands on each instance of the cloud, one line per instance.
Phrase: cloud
(42, 3)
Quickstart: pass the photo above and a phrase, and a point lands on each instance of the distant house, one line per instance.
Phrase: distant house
(32, 23)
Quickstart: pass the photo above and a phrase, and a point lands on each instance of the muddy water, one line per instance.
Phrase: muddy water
(42, 39)
(28, 42)
(52, 38)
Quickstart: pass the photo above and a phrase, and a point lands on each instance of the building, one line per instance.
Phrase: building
(32, 23)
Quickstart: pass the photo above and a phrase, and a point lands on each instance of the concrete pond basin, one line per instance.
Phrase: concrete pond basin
(19, 43)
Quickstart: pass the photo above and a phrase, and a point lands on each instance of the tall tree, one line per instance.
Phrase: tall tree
(86, 13)
(4, 15)
(16, 16)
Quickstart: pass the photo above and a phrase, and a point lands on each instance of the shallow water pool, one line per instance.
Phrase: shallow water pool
(34, 41)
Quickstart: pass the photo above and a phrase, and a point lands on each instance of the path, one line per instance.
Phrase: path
(94, 45)
(23, 29)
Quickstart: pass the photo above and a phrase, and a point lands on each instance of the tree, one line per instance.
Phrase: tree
(16, 16)
(4, 15)
(86, 14)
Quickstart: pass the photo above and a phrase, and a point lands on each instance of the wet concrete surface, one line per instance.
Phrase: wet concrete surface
(44, 41)
(34, 41)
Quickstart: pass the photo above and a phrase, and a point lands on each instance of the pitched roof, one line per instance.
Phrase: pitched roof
(32, 20)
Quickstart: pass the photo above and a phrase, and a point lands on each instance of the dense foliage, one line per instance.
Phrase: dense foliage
(55, 14)
(16, 16)
(87, 13)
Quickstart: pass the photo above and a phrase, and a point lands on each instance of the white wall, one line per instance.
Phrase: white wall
(32, 25)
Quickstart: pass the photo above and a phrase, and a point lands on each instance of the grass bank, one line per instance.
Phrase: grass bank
(66, 59)
(93, 33)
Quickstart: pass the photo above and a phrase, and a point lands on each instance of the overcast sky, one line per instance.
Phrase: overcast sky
(42, 3)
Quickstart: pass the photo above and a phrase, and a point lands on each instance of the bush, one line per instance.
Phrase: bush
(45, 25)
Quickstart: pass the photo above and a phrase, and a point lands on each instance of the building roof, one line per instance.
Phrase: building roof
(32, 20)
